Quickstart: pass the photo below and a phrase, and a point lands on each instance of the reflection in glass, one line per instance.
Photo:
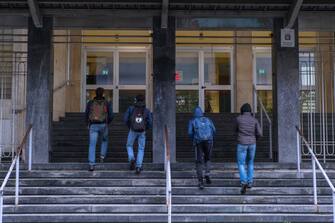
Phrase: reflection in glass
(217, 68)
(217, 101)
(108, 94)
(187, 71)
(127, 98)
(307, 68)
(263, 69)
(132, 68)
(266, 98)
(308, 101)
(186, 101)
(99, 68)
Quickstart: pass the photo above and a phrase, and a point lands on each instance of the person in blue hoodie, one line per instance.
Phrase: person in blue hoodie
(202, 130)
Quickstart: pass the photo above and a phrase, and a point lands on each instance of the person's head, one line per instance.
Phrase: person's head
(198, 112)
(99, 92)
(245, 108)
(139, 98)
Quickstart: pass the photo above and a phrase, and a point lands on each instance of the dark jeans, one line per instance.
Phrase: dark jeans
(203, 151)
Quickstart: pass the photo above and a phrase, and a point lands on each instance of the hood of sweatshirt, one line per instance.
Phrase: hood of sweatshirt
(198, 112)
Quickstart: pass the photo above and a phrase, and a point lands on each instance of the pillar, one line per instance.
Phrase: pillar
(244, 69)
(40, 87)
(285, 62)
(164, 89)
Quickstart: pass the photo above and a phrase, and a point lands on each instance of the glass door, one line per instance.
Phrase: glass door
(99, 72)
(262, 65)
(216, 87)
(187, 80)
(203, 78)
(122, 72)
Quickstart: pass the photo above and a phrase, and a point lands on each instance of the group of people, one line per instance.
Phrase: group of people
(201, 130)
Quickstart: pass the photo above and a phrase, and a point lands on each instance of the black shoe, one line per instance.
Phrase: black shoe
(243, 188)
(102, 159)
(201, 184)
(132, 165)
(249, 185)
(91, 168)
(208, 180)
(138, 170)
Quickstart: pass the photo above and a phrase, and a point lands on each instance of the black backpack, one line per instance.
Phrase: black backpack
(138, 120)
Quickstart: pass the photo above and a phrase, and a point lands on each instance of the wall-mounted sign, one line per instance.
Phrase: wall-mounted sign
(287, 38)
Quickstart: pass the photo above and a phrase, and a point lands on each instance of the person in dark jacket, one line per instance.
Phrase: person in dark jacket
(138, 119)
(248, 130)
(99, 114)
(202, 130)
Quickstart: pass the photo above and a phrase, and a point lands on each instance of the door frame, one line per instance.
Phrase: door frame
(202, 86)
(115, 87)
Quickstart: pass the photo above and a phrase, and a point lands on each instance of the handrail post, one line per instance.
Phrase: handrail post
(1, 205)
(270, 140)
(30, 149)
(17, 173)
(298, 154)
(315, 194)
(262, 118)
(333, 207)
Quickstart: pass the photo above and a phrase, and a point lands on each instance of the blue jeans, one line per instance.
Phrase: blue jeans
(95, 131)
(246, 153)
(132, 136)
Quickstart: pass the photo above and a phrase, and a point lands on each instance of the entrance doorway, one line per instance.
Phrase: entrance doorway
(204, 78)
(121, 71)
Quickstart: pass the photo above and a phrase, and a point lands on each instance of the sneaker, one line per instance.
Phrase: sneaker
(138, 170)
(243, 188)
(249, 185)
(91, 168)
(208, 180)
(102, 159)
(132, 165)
(201, 184)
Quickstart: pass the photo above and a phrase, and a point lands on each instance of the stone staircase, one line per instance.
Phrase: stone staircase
(69, 193)
(70, 140)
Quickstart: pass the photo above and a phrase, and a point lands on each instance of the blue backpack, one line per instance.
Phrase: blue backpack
(202, 129)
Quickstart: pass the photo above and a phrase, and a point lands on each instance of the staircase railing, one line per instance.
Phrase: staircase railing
(263, 111)
(167, 168)
(16, 163)
(315, 162)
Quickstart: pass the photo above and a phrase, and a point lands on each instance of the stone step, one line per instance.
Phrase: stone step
(176, 208)
(159, 199)
(119, 182)
(272, 167)
(189, 190)
(176, 218)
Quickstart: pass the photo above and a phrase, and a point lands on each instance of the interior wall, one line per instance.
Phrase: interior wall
(60, 76)
(73, 91)
(244, 69)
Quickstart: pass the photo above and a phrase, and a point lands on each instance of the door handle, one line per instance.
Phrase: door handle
(203, 87)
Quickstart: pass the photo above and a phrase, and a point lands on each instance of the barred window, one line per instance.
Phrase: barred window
(6, 63)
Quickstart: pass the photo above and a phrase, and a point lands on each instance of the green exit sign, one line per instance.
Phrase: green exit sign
(261, 71)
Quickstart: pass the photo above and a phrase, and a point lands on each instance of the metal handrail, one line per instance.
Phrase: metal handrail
(314, 161)
(263, 110)
(16, 163)
(62, 85)
(167, 167)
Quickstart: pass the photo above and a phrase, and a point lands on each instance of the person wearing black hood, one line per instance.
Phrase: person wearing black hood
(99, 114)
(138, 119)
(202, 130)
